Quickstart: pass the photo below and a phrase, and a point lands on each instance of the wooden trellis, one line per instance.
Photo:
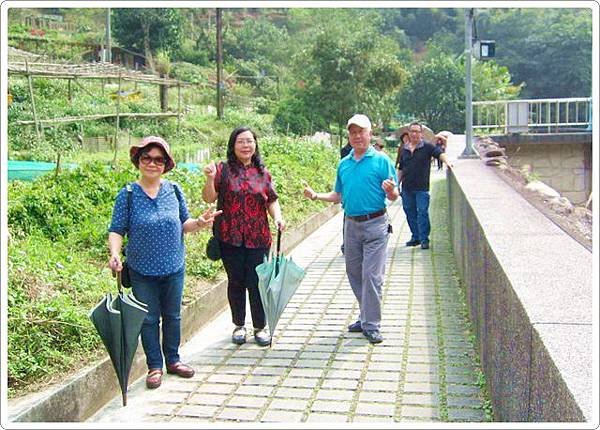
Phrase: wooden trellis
(103, 71)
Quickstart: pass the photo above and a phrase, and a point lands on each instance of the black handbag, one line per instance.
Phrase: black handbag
(213, 247)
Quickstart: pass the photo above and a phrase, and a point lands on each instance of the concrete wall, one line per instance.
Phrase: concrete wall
(563, 162)
(529, 292)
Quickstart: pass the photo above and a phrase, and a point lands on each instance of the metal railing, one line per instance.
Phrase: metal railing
(533, 115)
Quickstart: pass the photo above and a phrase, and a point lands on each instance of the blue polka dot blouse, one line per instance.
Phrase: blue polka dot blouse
(155, 231)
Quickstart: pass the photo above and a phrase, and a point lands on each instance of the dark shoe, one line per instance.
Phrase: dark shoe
(355, 327)
(425, 244)
(180, 369)
(261, 336)
(373, 335)
(413, 242)
(239, 335)
(154, 377)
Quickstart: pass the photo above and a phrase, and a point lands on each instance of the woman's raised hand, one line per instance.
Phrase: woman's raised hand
(207, 218)
(210, 170)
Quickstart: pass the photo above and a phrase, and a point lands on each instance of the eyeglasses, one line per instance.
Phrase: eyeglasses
(145, 159)
(245, 141)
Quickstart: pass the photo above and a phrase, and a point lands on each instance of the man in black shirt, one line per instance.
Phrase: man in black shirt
(414, 168)
(345, 150)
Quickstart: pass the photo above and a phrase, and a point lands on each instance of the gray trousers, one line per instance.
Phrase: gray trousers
(365, 251)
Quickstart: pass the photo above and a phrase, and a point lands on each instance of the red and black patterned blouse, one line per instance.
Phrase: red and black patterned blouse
(248, 194)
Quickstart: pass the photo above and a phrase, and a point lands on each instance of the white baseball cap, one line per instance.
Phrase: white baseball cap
(360, 120)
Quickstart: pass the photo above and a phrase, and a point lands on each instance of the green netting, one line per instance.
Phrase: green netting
(30, 170)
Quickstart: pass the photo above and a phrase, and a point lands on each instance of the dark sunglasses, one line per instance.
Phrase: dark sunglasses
(158, 161)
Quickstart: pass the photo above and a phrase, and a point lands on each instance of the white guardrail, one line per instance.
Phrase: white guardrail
(533, 115)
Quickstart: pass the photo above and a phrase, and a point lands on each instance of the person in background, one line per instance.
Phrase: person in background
(243, 230)
(414, 170)
(364, 179)
(441, 141)
(154, 216)
(403, 141)
(345, 150)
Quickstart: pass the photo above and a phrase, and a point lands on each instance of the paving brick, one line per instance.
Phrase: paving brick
(350, 365)
(370, 418)
(462, 389)
(289, 404)
(462, 378)
(318, 417)
(424, 399)
(216, 388)
(228, 379)
(459, 401)
(269, 371)
(208, 399)
(380, 386)
(469, 415)
(422, 377)
(282, 416)
(239, 414)
(421, 387)
(382, 376)
(420, 412)
(197, 411)
(330, 406)
(300, 382)
(247, 401)
(311, 364)
(261, 380)
(385, 409)
(302, 373)
(347, 384)
(255, 390)
(302, 393)
(376, 396)
(344, 374)
(327, 394)
(385, 366)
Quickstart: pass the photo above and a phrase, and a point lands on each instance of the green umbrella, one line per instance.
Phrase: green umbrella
(118, 321)
(278, 280)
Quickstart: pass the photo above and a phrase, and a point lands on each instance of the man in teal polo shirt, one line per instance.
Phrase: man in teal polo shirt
(365, 177)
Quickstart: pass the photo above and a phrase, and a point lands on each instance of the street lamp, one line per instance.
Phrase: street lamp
(484, 50)
(468, 151)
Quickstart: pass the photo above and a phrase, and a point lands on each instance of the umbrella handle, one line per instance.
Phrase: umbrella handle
(278, 251)
(119, 284)
(278, 241)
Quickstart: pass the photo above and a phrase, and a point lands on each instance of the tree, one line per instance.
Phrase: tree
(550, 50)
(435, 92)
(148, 30)
(345, 65)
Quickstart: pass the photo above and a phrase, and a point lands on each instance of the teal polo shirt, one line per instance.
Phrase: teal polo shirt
(359, 182)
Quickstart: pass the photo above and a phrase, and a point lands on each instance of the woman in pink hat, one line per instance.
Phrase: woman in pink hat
(153, 214)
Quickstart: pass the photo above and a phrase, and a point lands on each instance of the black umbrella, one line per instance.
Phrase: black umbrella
(118, 321)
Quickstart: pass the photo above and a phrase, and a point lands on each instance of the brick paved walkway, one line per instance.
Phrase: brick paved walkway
(425, 370)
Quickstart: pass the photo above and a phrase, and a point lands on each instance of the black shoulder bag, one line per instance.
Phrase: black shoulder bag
(213, 248)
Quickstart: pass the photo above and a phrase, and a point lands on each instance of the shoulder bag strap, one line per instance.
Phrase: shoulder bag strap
(221, 196)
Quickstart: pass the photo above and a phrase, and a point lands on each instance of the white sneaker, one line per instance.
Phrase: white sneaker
(239, 335)
(262, 337)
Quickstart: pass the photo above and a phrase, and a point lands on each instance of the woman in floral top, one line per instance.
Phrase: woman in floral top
(243, 228)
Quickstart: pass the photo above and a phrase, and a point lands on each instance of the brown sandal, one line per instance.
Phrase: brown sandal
(153, 379)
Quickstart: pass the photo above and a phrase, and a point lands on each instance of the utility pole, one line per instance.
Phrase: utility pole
(468, 151)
(108, 56)
(219, 65)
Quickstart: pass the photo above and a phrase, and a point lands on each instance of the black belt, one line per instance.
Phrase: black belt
(361, 218)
